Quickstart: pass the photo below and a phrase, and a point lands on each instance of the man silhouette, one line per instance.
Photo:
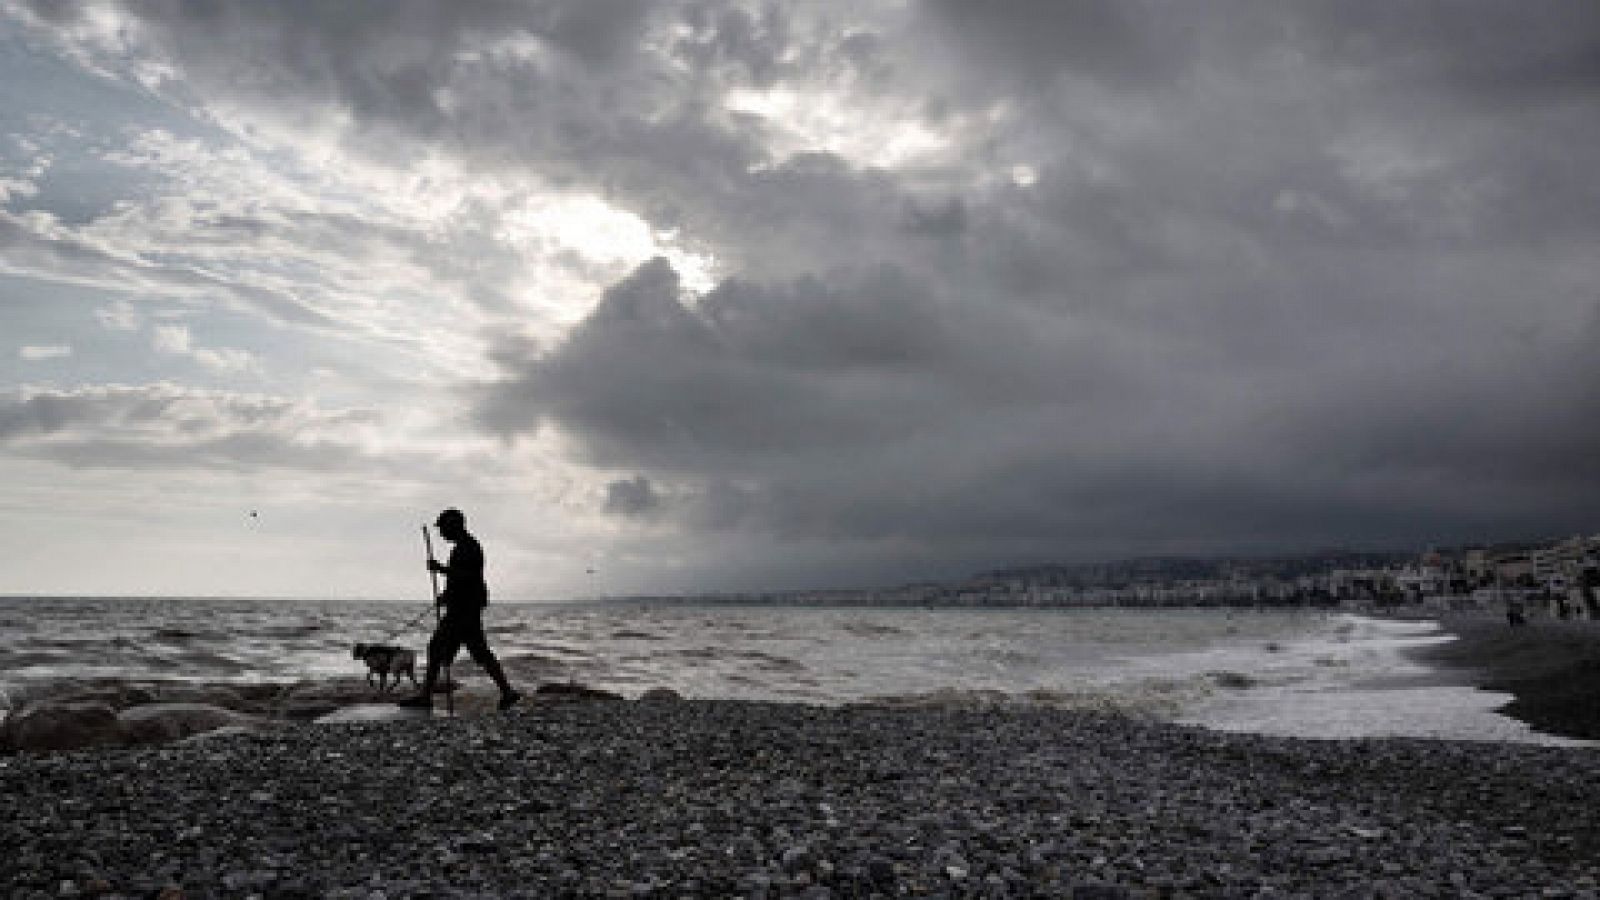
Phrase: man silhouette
(464, 597)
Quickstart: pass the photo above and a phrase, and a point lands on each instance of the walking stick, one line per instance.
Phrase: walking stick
(450, 693)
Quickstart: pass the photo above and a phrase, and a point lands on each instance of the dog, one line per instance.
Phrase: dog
(385, 662)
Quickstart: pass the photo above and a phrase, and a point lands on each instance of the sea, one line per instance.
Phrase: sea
(1313, 674)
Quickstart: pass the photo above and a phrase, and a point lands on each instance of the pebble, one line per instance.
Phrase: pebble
(722, 798)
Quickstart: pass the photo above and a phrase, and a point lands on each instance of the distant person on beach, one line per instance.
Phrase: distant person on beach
(464, 596)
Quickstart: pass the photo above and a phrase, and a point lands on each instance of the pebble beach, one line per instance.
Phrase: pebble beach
(715, 798)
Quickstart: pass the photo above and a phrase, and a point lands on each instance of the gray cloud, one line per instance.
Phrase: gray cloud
(170, 427)
(1038, 40)
(631, 497)
(871, 409)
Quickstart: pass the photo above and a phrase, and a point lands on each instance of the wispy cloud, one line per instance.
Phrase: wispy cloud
(169, 426)
(176, 340)
(35, 352)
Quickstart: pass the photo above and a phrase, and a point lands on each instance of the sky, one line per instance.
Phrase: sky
(687, 296)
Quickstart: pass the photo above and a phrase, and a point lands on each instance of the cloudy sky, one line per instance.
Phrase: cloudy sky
(748, 294)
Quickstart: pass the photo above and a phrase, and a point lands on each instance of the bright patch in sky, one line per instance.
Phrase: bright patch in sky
(825, 121)
(52, 351)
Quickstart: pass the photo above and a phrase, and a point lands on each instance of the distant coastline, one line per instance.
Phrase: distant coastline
(1560, 579)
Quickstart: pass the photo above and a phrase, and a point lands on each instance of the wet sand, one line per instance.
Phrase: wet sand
(1551, 668)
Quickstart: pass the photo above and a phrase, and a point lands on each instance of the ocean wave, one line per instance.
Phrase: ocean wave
(27, 659)
(305, 629)
(871, 629)
(1161, 698)
(198, 661)
(173, 633)
(530, 665)
(771, 662)
(1233, 680)
(566, 651)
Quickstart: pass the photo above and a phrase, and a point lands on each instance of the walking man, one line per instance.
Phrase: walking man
(464, 597)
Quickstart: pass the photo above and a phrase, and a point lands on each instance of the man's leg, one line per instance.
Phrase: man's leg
(442, 649)
(478, 646)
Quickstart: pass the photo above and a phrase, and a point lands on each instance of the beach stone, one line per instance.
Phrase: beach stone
(688, 799)
(116, 696)
(796, 859)
(225, 731)
(162, 722)
(1100, 892)
(206, 694)
(57, 727)
(567, 691)
(880, 870)
(372, 712)
(307, 700)
(1327, 855)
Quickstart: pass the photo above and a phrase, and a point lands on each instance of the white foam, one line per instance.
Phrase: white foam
(1322, 686)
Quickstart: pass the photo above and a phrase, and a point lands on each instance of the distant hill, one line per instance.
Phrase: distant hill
(1186, 568)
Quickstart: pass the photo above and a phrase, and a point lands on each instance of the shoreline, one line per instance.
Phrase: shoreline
(673, 798)
(1551, 668)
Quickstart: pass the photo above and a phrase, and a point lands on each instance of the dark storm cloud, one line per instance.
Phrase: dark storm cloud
(631, 497)
(793, 411)
(1331, 289)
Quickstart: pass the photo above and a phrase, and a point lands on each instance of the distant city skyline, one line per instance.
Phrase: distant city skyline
(678, 297)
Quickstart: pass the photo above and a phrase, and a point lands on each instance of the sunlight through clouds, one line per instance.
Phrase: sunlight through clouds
(823, 121)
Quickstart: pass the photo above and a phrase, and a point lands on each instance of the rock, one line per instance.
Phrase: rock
(223, 732)
(880, 870)
(1099, 892)
(796, 859)
(572, 691)
(57, 727)
(373, 712)
(308, 700)
(116, 696)
(207, 694)
(1327, 855)
(158, 723)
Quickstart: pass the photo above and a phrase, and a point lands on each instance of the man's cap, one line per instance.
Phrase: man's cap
(450, 515)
